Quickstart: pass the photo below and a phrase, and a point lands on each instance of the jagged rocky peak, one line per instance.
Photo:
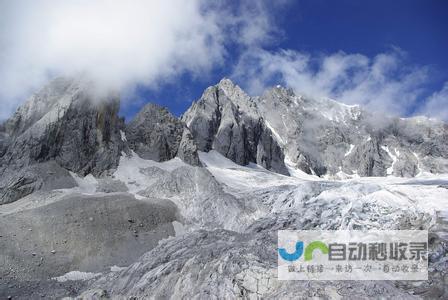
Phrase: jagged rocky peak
(234, 92)
(325, 137)
(67, 122)
(280, 93)
(39, 104)
(156, 134)
(70, 122)
(316, 135)
(227, 120)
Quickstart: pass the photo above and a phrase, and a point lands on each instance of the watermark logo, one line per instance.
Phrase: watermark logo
(299, 251)
(353, 255)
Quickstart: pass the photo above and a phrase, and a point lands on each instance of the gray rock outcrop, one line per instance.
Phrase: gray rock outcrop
(44, 176)
(324, 137)
(156, 134)
(65, 123)
(227, 120)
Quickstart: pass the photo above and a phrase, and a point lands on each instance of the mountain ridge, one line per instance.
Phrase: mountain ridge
(279, 130)
(325, 137)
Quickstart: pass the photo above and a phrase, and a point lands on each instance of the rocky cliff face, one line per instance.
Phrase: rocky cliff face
(227, 120)
(156, 134)
(63, 124)
(325, 137)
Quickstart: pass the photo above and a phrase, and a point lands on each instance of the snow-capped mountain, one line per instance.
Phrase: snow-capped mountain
(61, 128)
(317, 136)
(161, 207)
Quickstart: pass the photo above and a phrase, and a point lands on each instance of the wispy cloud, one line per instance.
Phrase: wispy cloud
(437, 104)
(382, 83)
(118, 43)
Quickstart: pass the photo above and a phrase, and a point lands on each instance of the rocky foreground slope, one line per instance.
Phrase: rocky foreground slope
(163, 207)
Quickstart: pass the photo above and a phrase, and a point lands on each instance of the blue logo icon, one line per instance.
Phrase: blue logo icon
(299, 251)
(292, 256)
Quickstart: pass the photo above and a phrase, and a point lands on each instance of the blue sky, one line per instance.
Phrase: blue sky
(389, 56)
(319, 27)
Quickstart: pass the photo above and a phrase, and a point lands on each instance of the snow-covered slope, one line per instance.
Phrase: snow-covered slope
(227, 217)
(232, 255)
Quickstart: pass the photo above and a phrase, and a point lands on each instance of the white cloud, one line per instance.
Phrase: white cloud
(382, 83)
(117, 43)
(437, 104)
(123, 43)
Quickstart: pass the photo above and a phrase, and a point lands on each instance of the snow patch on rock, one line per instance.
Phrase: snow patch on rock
(123, 136)
(349, 150)
(130, 169)
(77, 275)
(394, 158)
(275, 133)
